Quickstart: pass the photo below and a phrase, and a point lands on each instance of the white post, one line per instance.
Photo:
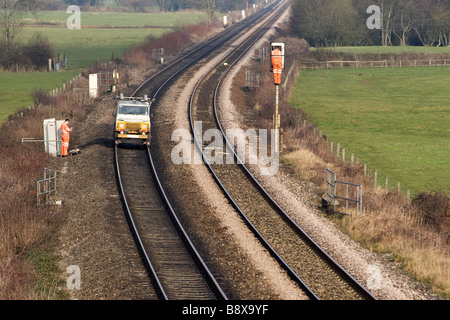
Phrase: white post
(93, 86)
(277, 123)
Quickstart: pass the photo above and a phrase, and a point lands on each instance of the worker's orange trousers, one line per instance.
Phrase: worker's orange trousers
(277, 66)
(65, 144)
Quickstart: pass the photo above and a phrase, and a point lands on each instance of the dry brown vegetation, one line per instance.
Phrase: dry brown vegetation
(25, 227)
(27, 231)
(173, 43)
(415, 234)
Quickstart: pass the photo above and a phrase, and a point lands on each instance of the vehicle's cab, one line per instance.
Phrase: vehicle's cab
(132, 119)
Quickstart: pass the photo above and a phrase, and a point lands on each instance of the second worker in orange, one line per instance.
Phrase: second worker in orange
(277, 64)
(65, 137)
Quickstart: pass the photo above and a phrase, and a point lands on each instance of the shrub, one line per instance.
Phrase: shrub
(40, 96)
(33, 55)
(38, 51)
(434, 210)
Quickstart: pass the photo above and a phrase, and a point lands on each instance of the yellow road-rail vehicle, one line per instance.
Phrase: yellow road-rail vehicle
(132, 119)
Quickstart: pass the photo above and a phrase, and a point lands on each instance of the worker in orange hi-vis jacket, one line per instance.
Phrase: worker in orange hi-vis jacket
(65, 135)
(277, 64)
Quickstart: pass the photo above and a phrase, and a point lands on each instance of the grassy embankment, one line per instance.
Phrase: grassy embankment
(396, 121)
(378, 107)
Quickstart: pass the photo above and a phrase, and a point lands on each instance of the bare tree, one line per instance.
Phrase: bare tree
(340, 22)
(12, 12)
(432, 22)
(164, 4)
(210, 7)
(387, 13)
(403, 21)
(441, 23)
(326, 22)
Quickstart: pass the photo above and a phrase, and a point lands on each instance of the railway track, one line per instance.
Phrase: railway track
(154, 84)
(314, 270)
(177, 270)
(175, 266)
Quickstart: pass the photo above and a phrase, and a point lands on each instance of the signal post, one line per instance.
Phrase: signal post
(277, 53)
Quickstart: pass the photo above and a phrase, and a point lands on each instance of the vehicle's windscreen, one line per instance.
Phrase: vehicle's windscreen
(124, 109)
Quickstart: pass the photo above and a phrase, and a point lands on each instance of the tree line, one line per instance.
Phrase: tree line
(326, 23)
(167, 5)
(15, 54)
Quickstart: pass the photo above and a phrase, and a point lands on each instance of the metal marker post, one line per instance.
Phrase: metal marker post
(277, 54)
(277, 123)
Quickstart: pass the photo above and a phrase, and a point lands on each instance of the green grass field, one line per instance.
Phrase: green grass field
(395, 120)
(83, 47)
(15, 88)
(120, 19)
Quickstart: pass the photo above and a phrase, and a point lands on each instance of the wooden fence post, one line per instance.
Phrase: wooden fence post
(375, 179)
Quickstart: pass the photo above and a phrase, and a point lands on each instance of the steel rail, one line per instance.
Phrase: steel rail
(265, 243)
(140, 245)
(286, 216)
(223, 37)
(353, 282)
(169, 213)
(210, 277)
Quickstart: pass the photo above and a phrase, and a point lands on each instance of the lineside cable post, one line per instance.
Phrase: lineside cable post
(277, 123)
(277, 54)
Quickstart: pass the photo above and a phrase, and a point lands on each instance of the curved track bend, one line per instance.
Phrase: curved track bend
(314, 270)
(175, 266)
